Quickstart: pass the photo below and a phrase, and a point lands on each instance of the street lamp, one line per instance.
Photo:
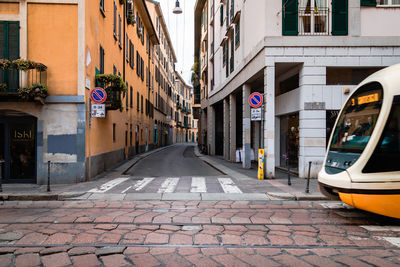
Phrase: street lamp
(177, 9)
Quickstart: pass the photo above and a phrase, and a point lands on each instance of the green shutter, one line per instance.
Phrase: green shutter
(368, 2)
(9, 49)
(339, 17)
(289, 17)
(227, 13)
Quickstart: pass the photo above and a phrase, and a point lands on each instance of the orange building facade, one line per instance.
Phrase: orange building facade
(67, 48)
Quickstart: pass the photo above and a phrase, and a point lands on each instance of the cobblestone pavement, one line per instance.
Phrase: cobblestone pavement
(194, 233)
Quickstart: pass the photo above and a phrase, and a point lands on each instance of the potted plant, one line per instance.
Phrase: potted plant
(35, 92)
(114, 86)
(3, 87)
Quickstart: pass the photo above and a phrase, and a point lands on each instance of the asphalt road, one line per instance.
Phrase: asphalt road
(178, 160)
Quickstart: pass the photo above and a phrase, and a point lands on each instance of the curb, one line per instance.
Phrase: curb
(288, 196)
(37, 197)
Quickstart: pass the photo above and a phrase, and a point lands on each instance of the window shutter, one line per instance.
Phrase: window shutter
(368, 2)
(227, 13)
(289, 17)
(339, 17)
(221, 13)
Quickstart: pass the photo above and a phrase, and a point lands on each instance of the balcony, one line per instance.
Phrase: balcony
(114, 87)
(23, 80)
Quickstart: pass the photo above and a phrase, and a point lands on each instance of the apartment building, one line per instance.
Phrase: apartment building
(303, 56)
(66, 48)
(165, 60)
(183, 112)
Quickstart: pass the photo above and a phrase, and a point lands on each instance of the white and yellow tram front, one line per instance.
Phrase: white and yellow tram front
(362, 164)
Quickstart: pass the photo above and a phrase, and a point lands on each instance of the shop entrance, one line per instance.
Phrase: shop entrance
(289, 140)
(18, 148)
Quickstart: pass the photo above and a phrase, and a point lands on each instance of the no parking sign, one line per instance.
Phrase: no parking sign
(256, 100)
(98, 95)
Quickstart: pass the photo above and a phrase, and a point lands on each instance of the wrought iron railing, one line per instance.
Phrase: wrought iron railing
(314, 21)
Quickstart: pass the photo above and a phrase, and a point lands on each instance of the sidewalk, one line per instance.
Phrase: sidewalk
(279, 187)
(35, 192)
(276, 189)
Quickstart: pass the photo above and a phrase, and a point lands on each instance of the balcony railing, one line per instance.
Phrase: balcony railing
(314, 22)
(24, 79)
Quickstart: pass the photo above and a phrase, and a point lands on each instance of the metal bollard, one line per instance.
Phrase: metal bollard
(1, 176)
(289, 182)
(308, 178)
(48, 176)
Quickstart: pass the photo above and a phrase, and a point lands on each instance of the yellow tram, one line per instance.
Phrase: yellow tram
(362, 163)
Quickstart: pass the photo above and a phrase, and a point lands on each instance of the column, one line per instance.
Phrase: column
(211, 130)
(226, 128)
(232, 128)
(246, 128)
(269, 121)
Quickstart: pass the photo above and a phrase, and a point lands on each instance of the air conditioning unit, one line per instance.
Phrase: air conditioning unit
(140, 31)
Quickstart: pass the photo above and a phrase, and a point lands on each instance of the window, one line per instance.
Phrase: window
(115, 21)
(102, 7)
(386, 156)
(347, 76)
(131, 54)
(224, 54)
(227, 58)
(232, 9)
(389, 3)
(137, 101)
(227, 14)
(127, 47)
(141, 103)
(113, 129)
(9, 49)
(142, 69)
(126, 97)
(101, 60)
(311, 17)
(221, 13)
(114, 70)
(237, 34)
(232, 60)
(137, 64)
(119, 30)
(131, 97)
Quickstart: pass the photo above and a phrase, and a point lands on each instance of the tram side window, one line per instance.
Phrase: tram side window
(386, 156)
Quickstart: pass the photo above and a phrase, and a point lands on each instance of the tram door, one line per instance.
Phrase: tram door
(18, 150)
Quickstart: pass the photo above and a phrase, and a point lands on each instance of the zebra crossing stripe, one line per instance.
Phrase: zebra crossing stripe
(139, 185)
(229, 186)
(198, 185)
(107, 186)
(169, 185)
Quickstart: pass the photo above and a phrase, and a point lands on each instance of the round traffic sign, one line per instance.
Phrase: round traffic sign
(255, 100)
(98, 95)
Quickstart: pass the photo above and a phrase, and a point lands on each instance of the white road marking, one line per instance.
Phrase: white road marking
(107, 186)
(228, 185)
(123, 192)
(335, 205)
(139, 185)
(393, 240)
(377, 228)
(169, 185)
(198, 185)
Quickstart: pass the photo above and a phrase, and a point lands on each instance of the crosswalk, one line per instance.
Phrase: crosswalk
(125, 185)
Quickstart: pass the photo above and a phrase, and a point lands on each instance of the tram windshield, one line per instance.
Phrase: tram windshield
(357, 120)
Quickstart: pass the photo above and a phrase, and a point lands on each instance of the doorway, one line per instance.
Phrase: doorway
(18, 148)
(289, 140)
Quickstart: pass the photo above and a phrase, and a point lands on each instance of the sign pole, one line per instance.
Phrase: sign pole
(90, 129)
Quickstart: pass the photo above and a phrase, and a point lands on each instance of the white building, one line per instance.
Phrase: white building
(304, 56)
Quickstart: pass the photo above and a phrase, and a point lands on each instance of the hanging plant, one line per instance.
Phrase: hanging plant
(121, 2)
(3, 87)
(35, 92)
(114, 86)
(129, 19)
(5, 64)
(23, 64)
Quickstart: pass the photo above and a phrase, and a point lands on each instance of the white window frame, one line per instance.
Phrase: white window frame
(313, 14)
(389, 3)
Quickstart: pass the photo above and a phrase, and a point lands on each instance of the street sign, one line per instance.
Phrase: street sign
(98, 111)
(98, 95)
(256, 114)
(255, 100)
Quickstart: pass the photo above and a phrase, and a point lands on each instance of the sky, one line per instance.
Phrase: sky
(181, 31)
